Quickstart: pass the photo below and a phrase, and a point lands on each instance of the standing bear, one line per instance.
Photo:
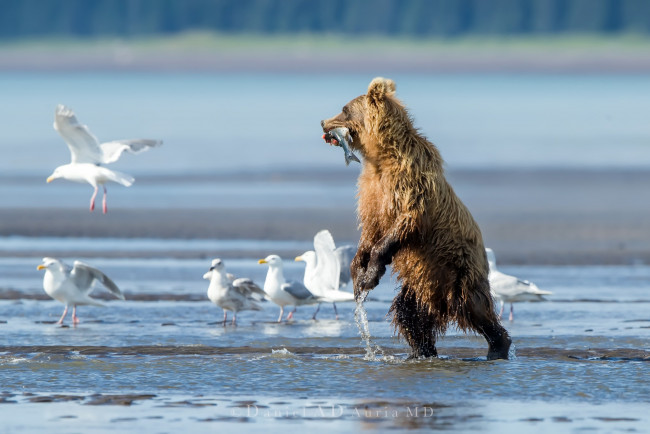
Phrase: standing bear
(410, 216)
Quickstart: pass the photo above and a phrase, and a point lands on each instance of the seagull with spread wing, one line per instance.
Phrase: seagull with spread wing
(72, 285)
(88, 155)
(323, 271)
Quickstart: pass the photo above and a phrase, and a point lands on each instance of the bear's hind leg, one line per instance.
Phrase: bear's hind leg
(415, 324)
(484, 320)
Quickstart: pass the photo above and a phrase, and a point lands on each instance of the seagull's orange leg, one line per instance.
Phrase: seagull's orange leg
(65, 312)
(92, 200)
(104, 208)
(75, 318)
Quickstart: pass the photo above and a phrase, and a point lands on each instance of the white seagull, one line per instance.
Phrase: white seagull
(323, 271)
(510, 289)
(284, 293)
(88, 155)
(72, 286)
(232, 294)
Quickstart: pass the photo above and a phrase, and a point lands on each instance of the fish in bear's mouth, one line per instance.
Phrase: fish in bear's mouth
(341, 137)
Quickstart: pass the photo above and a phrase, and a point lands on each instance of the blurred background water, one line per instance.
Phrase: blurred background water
(215, 123)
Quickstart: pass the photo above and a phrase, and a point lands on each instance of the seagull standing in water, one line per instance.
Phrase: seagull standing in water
(284, 293)
(72, 285)
(510, 289)
(232, 294)
(88, 155)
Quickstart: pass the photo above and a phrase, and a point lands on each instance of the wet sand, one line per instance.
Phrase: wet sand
(260, 224)
(541, 216)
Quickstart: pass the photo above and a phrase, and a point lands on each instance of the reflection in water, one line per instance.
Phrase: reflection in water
(325, 328)
(157, 412)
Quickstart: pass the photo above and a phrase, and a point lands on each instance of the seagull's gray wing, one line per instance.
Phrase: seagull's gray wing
(531, 288)
(113, 150)
(84, 146)
(511, 288)
(83, 276)
(299, 292)
(345, 254)
(249, 289)
(65, 268)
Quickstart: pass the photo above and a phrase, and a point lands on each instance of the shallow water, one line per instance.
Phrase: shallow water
(582, 357)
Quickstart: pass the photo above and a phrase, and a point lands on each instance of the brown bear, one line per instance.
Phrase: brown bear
(410, 216)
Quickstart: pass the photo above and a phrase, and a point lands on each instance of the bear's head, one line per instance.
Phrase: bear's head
(364, 115)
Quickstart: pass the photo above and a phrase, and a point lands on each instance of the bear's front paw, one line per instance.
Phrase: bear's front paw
(373, 274)
(368, 280)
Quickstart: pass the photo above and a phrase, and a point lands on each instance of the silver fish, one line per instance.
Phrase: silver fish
(342, 136)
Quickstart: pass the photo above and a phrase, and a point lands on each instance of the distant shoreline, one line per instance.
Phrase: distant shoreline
(330, 54)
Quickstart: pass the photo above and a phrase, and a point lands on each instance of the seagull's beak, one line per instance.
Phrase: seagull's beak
(41, 267)
(262, 261)
(298, 258)
(50, 178)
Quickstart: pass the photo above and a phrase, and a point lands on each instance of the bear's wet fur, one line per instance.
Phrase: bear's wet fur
(410, 216)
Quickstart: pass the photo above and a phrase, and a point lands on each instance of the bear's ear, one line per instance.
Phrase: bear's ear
(380, 88)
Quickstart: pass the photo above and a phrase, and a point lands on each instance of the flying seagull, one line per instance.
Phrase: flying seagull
(88, 155)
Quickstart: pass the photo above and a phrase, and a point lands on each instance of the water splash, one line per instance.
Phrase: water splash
(373, 351)
(282, 353)
(512, 352)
